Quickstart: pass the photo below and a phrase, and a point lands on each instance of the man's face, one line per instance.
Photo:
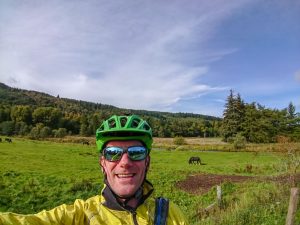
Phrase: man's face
(125, 176)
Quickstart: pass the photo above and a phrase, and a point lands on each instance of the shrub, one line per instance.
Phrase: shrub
(179, 141)
(282, 139)
(239, 141)
(22, 128)
(7, 128)
(60, 133)
(45, 132)
(35, 132)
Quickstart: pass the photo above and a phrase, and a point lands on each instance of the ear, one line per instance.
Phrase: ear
(102, 164)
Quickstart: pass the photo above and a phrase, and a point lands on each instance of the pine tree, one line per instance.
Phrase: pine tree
(291, 109)
(233, 116)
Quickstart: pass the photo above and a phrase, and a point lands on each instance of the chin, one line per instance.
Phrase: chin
(126, 193)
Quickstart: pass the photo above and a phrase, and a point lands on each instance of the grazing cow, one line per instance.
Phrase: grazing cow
(195, 160)
(9, 140)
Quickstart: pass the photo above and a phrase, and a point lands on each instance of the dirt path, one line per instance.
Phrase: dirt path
(202, 183)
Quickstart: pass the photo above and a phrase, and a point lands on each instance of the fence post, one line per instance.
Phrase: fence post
(219, 196)
(292, 206)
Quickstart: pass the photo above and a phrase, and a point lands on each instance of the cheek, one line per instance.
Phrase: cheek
(142, 167)
(104, 166)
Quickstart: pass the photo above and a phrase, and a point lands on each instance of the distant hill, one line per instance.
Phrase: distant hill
(15, 96)
(39, 115)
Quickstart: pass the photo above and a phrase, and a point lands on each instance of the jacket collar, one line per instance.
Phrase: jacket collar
(110, 198)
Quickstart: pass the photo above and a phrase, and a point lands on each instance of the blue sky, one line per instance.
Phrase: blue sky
(175, 56)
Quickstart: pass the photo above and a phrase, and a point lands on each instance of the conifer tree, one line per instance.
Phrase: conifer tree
(233, 116)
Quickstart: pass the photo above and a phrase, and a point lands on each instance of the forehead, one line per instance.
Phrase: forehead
(124, 143)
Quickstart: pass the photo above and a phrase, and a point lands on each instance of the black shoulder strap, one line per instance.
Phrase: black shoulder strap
(161, 211)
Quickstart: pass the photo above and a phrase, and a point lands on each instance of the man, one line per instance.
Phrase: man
(124, 144)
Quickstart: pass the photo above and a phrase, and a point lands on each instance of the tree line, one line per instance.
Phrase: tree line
(258, 124)
(41, 122)
(39, 115)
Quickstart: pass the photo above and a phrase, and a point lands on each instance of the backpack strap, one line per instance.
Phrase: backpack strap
(161, 211)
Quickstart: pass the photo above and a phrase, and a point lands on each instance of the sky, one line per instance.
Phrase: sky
(162, 55)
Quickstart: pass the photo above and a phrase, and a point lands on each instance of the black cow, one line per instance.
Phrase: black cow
(195, 160)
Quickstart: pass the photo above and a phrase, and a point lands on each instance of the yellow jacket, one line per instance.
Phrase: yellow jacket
(98, 210)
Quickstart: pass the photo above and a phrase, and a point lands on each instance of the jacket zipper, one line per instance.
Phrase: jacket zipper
(133, 213)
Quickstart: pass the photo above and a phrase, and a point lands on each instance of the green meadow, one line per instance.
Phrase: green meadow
(37, 175)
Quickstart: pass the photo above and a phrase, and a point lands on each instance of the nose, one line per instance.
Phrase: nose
(125, 160)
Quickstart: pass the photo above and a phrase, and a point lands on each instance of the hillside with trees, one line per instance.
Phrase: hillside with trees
(39, 115)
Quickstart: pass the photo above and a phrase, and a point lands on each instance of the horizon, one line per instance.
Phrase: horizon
(156, 56)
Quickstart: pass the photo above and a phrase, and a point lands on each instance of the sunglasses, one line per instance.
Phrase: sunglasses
(135, 153)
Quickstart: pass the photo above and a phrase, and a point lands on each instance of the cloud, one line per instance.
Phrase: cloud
(146, 55)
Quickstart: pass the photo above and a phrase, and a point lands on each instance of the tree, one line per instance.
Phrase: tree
(7, 128)
(233, 116)
(4, 113)
(291, 109)
(292, 122)
(21, 128)
(84, 131)
(21, 113)
(49, 116)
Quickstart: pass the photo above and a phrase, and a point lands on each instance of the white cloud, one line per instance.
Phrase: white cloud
(136, 55)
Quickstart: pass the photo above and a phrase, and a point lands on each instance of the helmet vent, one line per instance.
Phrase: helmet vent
(102, 127)
(135, 123)
(123, 121)
(146, 127)
(112, 123)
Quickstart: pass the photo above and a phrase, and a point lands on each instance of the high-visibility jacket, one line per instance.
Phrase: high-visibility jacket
(102, 209)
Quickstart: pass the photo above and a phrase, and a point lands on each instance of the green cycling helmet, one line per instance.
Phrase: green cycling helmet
(124, 128)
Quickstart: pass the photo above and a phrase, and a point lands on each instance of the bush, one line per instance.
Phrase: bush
(239, 141)
(7, 128)
(21, 128)
(179, 141)
(35, 132)
(45, 132)
(60, 133)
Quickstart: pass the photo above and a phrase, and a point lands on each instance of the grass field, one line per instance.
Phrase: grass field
(36, 175)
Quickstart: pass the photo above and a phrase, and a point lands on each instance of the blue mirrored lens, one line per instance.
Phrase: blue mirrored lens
(135, 153)
(113, 153)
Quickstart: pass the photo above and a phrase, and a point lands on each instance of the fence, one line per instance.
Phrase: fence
(290, 219)
(292, 206)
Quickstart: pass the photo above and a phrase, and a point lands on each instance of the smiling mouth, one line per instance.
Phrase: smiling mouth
(127, 175)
